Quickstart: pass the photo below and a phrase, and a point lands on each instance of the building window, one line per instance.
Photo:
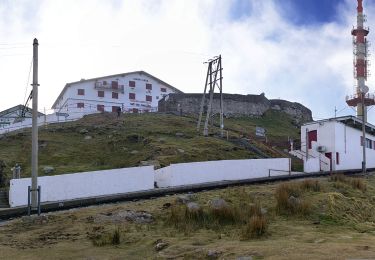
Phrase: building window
(163, 89)
(148, 86)
(132, 96)
(312, 136)
(100, 93)
(115, 95)
(104, 82)
(131, 83)
(337, 158)
(80, 105)
(115, 108)
(369, 143)
(100, 108)
(81, 92)
(149, 98)
(114, 85)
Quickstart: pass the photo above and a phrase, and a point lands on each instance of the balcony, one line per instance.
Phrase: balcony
(354, 100)
(109, 87)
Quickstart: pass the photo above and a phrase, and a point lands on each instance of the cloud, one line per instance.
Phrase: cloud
(262, 50)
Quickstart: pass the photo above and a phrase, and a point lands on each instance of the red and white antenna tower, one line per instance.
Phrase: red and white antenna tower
(361, 99)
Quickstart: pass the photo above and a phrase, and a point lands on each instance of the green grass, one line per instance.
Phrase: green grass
(152, 135)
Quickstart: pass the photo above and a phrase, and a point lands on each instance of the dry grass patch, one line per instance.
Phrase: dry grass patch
(354, 182)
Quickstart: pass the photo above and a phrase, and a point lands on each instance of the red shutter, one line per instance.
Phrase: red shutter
(131, 95)
(80, 105)
(312, 136)
(149, 98)
(100, 93)
(148, 86)
(132, 84)
(163, 90)
(115, 95)
(81, 92)
(114, 85)
(100, 108)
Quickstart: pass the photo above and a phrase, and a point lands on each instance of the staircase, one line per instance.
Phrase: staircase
(4, 203)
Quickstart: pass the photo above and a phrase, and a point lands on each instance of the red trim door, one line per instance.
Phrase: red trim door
(329, 156)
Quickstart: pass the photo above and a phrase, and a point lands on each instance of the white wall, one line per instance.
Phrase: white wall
(84, 185)
(201, 172)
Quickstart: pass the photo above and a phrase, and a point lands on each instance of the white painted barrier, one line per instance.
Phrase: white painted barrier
(201, 172)
(84, 184)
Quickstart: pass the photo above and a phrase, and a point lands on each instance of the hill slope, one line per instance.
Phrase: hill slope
(103, 141)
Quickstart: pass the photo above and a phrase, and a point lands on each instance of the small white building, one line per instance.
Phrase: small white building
(15, 114)
(336, 144)
(133, 92)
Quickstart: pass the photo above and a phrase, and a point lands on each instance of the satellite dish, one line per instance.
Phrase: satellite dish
(364, 89)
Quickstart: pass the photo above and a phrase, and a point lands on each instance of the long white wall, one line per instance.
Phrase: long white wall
(84, 185)
(211, 171)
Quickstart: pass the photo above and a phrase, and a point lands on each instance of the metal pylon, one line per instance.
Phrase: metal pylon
(214, 79)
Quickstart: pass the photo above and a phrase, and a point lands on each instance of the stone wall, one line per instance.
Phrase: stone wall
(234, 105)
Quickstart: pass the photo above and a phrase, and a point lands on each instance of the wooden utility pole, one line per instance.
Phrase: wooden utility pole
(34, 151)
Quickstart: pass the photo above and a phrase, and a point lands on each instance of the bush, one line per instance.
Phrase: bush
(108, 239)
(356, 183)
(288, 199)
(256, 227)
(311, 185)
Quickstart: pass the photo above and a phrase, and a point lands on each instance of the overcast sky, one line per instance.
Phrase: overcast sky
(298, 50)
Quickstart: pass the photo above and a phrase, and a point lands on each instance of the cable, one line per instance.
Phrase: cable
(28, 80)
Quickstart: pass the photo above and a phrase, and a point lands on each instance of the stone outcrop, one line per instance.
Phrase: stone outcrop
(234, 105)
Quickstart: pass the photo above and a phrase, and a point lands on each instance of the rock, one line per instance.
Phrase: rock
(167, 205)
(83, 131)
(161, 245)
(244, 258)
(213, 254)
(193, 207)
(181, 150)
(264, 211)
(179, 134)
(161, 140)
(294, 202)
(88, 137)
(34, 219)
(139, 217)
(42, 144)
(154, 163)
(134, 152)
(218, 204)
(183, 199)
(48, 169)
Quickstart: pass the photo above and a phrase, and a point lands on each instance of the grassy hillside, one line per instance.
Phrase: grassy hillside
(103, 141)
(326, 218)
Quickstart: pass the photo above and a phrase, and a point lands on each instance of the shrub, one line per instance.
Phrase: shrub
(359, 184)
(256, 227)
(311, 185)
(108, 239)
(288, 200)
(356, 183)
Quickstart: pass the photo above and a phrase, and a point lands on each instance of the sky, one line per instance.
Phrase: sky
(297, 50)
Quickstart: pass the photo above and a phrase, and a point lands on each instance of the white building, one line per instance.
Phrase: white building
(336, 144)
(133, 92)
(15, 114)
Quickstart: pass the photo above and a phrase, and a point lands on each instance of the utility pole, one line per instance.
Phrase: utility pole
(34, 150)
(214, 79)
(363, 133)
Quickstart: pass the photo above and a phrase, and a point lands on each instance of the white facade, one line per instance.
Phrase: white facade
(84, 185)
(131, 92)
(15, 114)
(336, 144)
(225, 170)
